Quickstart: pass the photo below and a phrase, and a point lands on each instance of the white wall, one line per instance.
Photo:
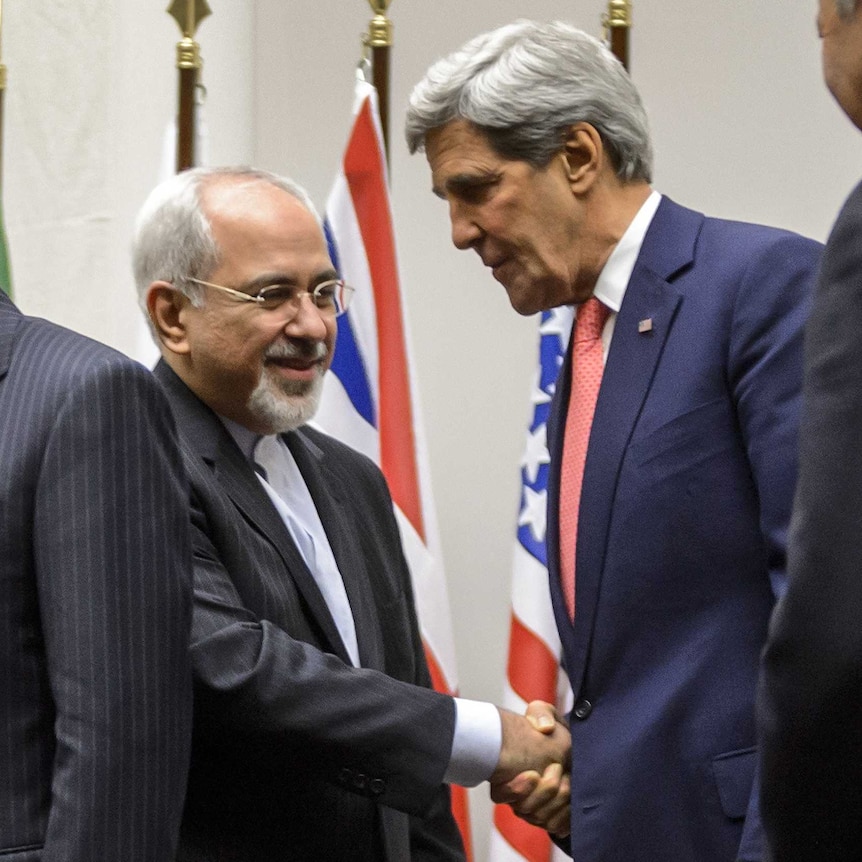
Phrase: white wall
(742, 123)
(92, 87)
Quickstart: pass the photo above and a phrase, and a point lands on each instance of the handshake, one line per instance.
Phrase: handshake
(532, 775)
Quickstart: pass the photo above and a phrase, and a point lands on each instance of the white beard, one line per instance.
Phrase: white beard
(283, 405)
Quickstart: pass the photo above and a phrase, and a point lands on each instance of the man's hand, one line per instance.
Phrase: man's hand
(529, 749)
(543, 716)
(543, 800)
(539, 792)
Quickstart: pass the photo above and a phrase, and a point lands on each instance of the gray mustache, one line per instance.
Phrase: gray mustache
(296, 349)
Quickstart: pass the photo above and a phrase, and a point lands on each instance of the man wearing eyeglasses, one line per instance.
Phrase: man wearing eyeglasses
(315, 733)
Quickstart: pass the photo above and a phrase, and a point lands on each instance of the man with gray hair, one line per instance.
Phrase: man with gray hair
(315, 733)
(810, 705)
(672, 432)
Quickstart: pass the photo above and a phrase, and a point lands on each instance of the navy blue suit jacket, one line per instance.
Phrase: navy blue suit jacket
(681, 539)
(95, 603)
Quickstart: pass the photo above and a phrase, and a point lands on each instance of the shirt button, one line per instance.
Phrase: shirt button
(582, 709)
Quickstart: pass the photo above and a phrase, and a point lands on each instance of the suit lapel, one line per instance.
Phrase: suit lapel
(330, 495)
(205, 436)
(635, 352)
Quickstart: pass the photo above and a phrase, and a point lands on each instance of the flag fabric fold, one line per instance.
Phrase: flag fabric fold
(533, 667)
(370, 396)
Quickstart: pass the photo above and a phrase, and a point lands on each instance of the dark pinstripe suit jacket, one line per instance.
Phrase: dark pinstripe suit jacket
(810, 705)
(95, 601)
(297, 756)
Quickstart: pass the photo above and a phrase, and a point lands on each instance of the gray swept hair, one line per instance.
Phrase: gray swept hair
(173, 239)
(524, 84)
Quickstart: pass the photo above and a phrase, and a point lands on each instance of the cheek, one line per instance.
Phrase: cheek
(329, 341)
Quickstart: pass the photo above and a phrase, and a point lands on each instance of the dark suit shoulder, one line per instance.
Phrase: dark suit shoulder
(749, 236)
(341, 452)
(38, 337)
(844, 236)
(60, 363)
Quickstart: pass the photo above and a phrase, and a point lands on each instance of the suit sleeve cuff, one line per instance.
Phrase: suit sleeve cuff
(476, 744)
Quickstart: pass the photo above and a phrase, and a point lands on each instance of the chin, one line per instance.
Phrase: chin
(530, 295)
(525, 301)
(280, 410)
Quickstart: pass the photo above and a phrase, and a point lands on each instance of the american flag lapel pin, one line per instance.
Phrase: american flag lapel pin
(645, 325)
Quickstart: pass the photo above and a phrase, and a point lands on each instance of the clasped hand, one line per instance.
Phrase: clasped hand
(532, 776)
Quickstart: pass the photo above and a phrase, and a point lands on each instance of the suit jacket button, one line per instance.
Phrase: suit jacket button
(582, 709)
(346, 776)
(360, 781)
(377, 786)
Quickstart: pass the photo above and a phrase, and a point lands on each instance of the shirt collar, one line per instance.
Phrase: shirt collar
(614, 277)
(243, 437)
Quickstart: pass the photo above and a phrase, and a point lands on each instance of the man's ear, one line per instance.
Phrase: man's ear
(584, 155)
(166, 306)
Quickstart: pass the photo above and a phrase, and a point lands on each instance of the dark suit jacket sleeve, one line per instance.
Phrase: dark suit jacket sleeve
(434, 837)
(765, 372)
(113, 566)
(253, 678)
(811, 684)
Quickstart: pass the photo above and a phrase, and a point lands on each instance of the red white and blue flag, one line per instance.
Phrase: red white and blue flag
(370, 398)
(533, 668)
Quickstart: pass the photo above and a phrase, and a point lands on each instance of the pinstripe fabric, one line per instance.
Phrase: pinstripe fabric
(296, 755)
(94, 603)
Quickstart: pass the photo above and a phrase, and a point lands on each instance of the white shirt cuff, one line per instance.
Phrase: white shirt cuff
(477, 743)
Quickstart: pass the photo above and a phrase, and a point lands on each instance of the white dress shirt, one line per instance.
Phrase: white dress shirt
(614, 278)
(478, 732)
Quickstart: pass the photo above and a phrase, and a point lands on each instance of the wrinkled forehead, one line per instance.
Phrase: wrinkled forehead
(457, 153)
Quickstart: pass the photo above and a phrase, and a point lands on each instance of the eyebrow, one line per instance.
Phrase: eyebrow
(268, 279)
(464, 182)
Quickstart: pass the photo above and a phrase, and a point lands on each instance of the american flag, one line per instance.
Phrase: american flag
(370, 397)
(533, 671)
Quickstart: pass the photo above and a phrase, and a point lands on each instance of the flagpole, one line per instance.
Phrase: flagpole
(379, 39)
(617, 22)
(188, 15)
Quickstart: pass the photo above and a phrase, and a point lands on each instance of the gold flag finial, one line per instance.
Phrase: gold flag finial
(380, 28)
(619, 14)
(188, 14)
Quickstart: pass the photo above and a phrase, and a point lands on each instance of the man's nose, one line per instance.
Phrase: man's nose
(307, 320)
(465, 231)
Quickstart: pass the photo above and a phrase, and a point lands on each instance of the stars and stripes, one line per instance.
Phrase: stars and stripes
(533, 671)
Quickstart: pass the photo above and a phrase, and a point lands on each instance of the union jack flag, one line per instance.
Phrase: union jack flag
(370, 398)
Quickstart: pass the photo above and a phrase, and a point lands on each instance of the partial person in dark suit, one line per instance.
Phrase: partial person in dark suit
(810, 706)
(316, 734)
(539, 143)
(95, 603)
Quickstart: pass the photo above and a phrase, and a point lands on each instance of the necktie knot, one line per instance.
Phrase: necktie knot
(592, 316)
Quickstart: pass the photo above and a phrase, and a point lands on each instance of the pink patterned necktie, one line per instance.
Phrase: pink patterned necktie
(587, 368)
